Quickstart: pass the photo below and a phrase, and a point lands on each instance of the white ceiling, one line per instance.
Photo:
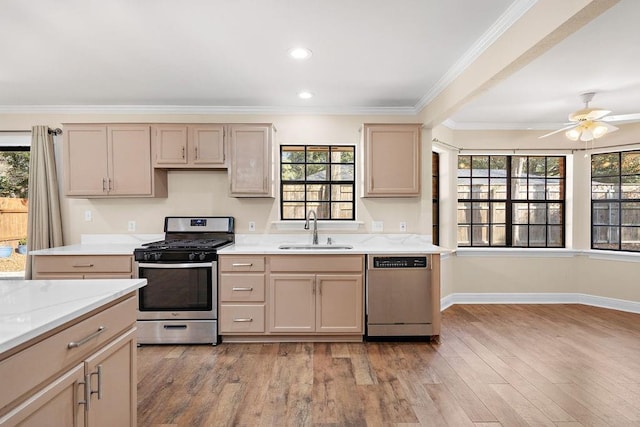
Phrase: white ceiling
(369, 56)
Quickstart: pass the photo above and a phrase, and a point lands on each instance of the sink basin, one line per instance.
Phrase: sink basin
(306, 246)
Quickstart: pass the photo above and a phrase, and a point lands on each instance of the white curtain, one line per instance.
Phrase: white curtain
(44, 228)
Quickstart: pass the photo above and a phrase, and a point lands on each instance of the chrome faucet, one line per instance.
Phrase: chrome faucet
(315, 225)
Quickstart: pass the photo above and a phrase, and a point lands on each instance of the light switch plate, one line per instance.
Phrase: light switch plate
(377, 226)
(131, 226)
(403, 227)
(252, 226)
(88, 215)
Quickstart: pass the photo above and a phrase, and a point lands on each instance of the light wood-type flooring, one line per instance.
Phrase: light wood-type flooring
(495, 365)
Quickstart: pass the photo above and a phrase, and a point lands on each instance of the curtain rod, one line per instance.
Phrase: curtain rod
(55, 131)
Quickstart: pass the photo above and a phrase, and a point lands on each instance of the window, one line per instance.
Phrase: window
(511, 201)
(435, 203)
(317, 177)
(615, 201)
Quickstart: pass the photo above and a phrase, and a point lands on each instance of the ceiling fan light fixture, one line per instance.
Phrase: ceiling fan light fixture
(599, 130)
(573, 134)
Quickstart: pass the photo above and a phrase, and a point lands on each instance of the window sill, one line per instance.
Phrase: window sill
(322, 225)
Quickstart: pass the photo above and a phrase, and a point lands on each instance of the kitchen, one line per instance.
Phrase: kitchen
(551, 276)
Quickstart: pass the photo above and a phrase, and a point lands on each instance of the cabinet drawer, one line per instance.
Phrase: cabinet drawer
(241, 318)
(317, 263)
(46, 358)
(237, 263)
(242, 287)
(83, 263)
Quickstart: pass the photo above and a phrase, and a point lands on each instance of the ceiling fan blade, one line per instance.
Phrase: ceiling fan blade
(559, 130)
(588, 114)
(597, 114)
(622, 118)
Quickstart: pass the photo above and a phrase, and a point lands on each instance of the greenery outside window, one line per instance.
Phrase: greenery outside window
(511, 201)
(319, 178)
(615, 201)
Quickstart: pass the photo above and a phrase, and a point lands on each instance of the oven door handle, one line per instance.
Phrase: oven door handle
(182, 265)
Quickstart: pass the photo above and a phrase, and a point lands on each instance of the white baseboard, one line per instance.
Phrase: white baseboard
(539, 298)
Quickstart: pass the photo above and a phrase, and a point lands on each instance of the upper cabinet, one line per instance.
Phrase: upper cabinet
(392, 160)
(250, 160)
(181, 146)
(110, 161)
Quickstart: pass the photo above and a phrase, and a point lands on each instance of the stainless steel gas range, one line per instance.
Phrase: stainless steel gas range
(179, 305)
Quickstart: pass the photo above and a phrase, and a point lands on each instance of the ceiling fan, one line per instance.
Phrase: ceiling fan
(588, 123)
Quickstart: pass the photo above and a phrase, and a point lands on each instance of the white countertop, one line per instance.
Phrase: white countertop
(102, 244)
(29, 308)
(362, 244)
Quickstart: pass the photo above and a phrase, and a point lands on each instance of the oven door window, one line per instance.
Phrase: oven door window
(176, 289)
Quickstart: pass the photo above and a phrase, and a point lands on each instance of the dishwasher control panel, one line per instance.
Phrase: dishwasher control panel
(400, 262)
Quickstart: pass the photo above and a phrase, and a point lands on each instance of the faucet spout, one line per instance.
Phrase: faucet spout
(315, 225)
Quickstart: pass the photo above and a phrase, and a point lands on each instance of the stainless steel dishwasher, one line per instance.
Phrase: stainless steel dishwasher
(399, 296)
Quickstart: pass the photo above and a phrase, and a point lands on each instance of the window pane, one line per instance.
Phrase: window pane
(321, 208)
(520, 213)
(554, 236)
(480, 165)
(317, 172)
(498, 166)
(293, 154)
(555, 166)
(293, 210)
(537, 190)
(464, 213)
(631, 238)
(464, 188)
(464, 166)
(537, 213)
(292, 172)
(607, 164)
(498, 188)
(537, 236)
(519, 235)
(537, 166)
(498, 213)
(342, 210)
(555, 189)
(605, 237)
(480, 213)
(342, 172)
(342, 155)
(318, 192)
(554, 213)
(631, 187)
(605, 214)
(480, 188)
(518, 166)
(293, 192)
(605, 187)
(463, 235)
(318, 154)
(519, 189)
(480, 235)
(631, 213)
(498, 235)
(342, 192)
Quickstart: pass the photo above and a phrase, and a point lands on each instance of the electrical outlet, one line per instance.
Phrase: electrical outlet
(88, 215)
(252, 226)
(377, 226)
(131, 226)
(403, 227)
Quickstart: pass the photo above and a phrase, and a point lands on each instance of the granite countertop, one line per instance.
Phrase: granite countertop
(29, 308)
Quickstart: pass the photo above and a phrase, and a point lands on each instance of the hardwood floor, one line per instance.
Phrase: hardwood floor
(495, 365)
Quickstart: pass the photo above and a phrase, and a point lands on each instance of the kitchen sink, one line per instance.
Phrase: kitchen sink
(306, 246)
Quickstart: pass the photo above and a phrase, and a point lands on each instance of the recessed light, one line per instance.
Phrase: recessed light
(305, 95)
(299, 53)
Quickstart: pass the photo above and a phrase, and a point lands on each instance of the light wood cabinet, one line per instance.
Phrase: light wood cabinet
(110, 161)
(83, 374)
(242, 295)
(49, 267)
(392, 160)
(250, 160)
(316, 294)
(197, 146)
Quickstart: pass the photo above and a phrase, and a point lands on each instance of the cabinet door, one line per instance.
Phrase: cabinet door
(129, 160)
(392, 160)
(339, 303)
(113, 382)
(206, 145)
(59, 402)
(292, 304)
(85, 160)
(169, 145)
(250, 161)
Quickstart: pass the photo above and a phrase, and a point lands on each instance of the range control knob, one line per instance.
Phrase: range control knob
(192, 256)
(145, 256)
(202, 256)
(156, 256)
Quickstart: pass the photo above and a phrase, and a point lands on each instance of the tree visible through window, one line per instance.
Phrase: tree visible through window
(511, 201)
(615, 201)
(317, 177)
(14, 173)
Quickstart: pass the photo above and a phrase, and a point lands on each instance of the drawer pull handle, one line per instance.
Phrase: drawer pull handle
(249, 289)
(245, 319)
(74, 344)
(82, 265)
(98, 373)
(174, 326)
(242, 264)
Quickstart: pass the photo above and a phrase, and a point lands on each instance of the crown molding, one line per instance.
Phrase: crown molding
(453, 125)
(506, 20)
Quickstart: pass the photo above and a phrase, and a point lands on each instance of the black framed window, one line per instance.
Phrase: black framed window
(317, 177)
(615, 201)
(435, 202)
(14, 171)
(511, 201)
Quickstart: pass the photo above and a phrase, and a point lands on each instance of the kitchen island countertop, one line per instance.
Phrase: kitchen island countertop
(29, 308)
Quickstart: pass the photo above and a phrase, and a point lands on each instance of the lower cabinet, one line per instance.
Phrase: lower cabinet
(63, 267)
(84, 375)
